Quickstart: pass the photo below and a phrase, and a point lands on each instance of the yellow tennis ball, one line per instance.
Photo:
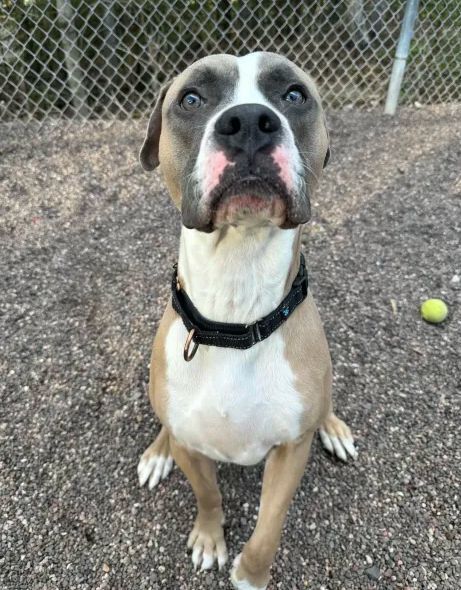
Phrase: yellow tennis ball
(434, 310)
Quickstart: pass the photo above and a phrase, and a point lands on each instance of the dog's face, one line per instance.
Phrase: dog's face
(239, 141)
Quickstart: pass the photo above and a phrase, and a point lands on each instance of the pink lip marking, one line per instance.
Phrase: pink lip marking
(216, 163)
(280, 157)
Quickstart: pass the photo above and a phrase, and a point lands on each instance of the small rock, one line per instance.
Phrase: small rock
(373, 573)
(106, 567)
(455, 281)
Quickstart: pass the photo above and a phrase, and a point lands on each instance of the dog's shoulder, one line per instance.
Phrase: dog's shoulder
(307, 352)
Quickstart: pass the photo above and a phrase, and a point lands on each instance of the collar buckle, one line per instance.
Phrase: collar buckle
(301, 281)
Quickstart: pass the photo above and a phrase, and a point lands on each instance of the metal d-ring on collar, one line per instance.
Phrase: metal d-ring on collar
(204, 331)
(188, 356)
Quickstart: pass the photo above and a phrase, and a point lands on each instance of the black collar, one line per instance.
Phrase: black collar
(204, 331)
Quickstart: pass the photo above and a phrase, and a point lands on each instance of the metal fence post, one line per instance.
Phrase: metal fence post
(401, 55)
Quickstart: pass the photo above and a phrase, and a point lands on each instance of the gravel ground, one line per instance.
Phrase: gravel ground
(87, 244)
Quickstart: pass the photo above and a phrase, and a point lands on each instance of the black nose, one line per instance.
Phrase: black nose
(247, 128)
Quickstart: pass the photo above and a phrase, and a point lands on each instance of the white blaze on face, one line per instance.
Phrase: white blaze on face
(212, 161)
(247, 90)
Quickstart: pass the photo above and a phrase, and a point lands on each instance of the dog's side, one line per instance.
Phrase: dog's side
(241, 144)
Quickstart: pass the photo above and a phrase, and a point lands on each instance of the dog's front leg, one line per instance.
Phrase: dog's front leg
(282, 474)
(207, 537)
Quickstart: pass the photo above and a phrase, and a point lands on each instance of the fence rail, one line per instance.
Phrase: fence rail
(107, 58)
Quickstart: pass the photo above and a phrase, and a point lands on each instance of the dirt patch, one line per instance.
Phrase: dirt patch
(87, 244)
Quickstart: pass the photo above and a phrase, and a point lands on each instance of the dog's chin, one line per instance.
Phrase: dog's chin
(249, 209)
(249, 201)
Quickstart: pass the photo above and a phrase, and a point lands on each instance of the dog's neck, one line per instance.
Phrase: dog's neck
(238, 274)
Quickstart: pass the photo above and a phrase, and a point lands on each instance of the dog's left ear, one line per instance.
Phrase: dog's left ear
(148, 155)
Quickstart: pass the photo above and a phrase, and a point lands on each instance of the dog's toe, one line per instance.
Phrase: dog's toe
(208, 547)
(156, 462)
(337, 438)
(153, 469)
(206, 554)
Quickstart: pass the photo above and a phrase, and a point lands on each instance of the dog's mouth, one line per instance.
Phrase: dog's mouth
(247, 194)
(249, 200)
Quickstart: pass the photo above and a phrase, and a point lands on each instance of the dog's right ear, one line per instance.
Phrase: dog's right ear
(148, 155)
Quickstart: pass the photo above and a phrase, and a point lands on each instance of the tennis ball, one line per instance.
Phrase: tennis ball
(434, 311)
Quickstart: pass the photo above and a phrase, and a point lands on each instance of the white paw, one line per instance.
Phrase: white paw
(207, 548)
(241, 584)
(340, 444)
(154, 468)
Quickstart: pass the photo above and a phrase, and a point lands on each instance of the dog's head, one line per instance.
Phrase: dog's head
(239, 140)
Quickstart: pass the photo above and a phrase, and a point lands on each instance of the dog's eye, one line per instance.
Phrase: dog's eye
(191, 101)
(295, 96)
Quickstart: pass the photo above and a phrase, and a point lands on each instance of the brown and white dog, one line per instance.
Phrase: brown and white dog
(241, 143)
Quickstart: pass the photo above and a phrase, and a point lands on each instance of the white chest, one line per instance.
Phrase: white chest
(231, 405)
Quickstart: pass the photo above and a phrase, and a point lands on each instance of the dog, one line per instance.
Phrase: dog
(240, 368)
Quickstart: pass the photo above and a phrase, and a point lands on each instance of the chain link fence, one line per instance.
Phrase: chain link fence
(107, 58)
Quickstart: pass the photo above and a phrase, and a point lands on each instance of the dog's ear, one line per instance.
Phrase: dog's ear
(148, 155)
